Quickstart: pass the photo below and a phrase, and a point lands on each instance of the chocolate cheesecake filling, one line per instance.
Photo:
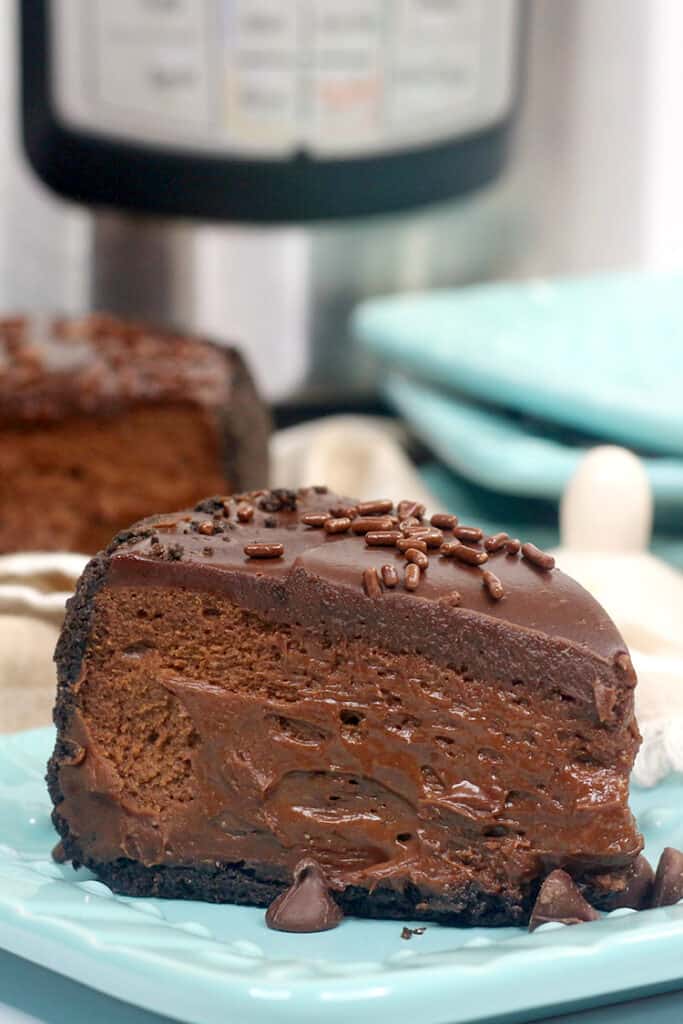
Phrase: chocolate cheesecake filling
(220, 717)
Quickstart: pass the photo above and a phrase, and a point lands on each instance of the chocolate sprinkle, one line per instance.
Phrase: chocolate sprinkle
(463, 553)
(389, 576)
(560, 900)
(371, 584)
(382, 539)
(339, 525)
(307, 906)
(365, 524)
(206, 528)
(433, 538)
(468, 533)
(406, 543)
(417, 557)
(244, 512)
(513, 547)
(344, 511)
(668, 885)
(264, 550)
(538, 557)
(410, 508)
(412, 576)
(315, 519)
(493, 585)
(375, 508)
(496, 542)
(444, 521)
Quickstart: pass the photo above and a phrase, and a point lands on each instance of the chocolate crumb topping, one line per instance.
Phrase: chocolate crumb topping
(307, 906)
(560, 900)
(407, 933)
(278, 500)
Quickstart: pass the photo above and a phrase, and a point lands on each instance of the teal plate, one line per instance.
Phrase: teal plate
(503, 452)
(602, 354)
(208, 964)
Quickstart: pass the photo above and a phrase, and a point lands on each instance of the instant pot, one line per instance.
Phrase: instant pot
(253, 168)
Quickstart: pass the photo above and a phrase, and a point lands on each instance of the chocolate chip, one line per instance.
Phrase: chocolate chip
(244, 512)
(206, 528)
(637, 891)
(560, 900)
(307, 906)
(668, 886)
(59, 853)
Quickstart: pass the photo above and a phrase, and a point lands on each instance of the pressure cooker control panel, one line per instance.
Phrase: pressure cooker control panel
(264, 77)
(296, 104)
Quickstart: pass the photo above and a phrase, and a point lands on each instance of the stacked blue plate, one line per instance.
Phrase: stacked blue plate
(508, 385)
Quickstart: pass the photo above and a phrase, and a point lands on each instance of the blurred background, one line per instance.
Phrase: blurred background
(446, 236)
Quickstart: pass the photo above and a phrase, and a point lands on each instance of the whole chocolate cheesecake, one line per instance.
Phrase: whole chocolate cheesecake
(103, 421)
(431, 719)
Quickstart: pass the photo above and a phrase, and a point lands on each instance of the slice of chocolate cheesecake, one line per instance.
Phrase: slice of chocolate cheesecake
(436, 718)
(104, 420)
